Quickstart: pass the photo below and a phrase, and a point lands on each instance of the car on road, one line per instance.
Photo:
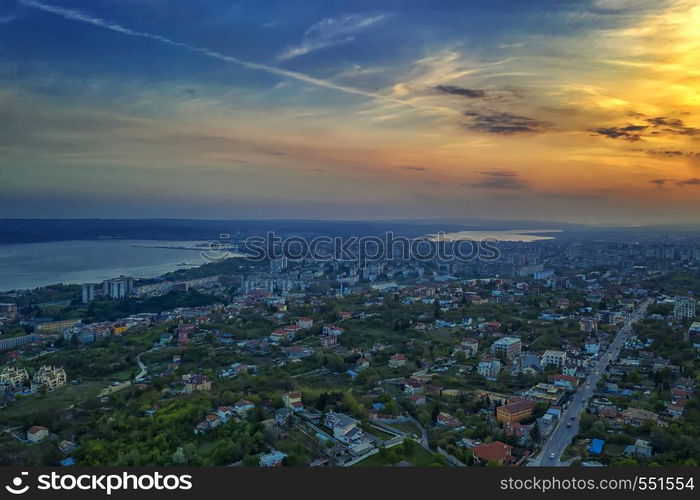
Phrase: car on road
(573, 417)
(588, 382)
(551, 455)
(568, 426)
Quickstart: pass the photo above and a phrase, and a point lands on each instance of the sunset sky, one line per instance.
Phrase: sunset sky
(582, 111)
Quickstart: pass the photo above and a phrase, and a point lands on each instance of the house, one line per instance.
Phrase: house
(515, 411)
(37, 433)
(596, 446)
(242, 407)
(637, 416)
(67, 462)
(329, 340)
(333, 330)
(225, 413)
(292, 401)
(196, 383)
(446, 420)
(591, 347)
(305, 322)
(640, 447)
(519, 431)
(397, 360)
(282, 416)
(496, 451)
(568, 382)
(417, 399)
(345, 428)
(470, 346)
(66, 446)
(361, 364)
(183, 332)
(588, 325)
(412, 386)
(273, 459)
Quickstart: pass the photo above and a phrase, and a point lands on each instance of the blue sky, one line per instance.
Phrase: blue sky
(363, 109)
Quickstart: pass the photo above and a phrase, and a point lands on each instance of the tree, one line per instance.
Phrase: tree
(179, 457)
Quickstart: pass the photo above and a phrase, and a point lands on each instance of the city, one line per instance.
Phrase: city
(396, 246)
(557, 353)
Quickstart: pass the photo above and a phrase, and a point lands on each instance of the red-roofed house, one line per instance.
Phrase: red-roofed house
(493, 452)
(37, 433)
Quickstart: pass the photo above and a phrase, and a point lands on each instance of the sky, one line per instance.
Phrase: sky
(581, 111)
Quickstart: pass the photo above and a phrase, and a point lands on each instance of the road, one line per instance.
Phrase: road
(567, 427)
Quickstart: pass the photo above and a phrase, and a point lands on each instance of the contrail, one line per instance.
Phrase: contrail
(75, 15)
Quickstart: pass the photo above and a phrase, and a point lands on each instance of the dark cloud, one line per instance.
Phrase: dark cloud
(504, 123)
(693, 181)
(412, 167)
(671, 126)
(689, 182)
(499, 179)
(630, 133)
(656, 126)
(461, 91)
(671, 153)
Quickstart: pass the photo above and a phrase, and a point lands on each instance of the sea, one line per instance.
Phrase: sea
(31, 265)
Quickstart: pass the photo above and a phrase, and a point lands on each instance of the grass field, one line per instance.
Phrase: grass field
(53, 401)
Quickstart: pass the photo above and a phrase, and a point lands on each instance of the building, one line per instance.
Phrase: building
(684, 308)
(489, 367)
(118, 288)
(547, 393)
(56, 326)
(496, 452)
(591, 347)
(637, 416)
(515, 411)
(446, 420)
(37, 433)
(50, 377)
(243, 406)
(305, 322)
(292, 401)
(183, 333)
(588, 325)
(507, 348)
(344, 428)
(470, 346)
(568, 382)
(273, 459)
(553, 358)
(90, 291)
(13, 378)
(397, 360)
(596, 446)
(196, 383)
(12, 342)
(8, 311)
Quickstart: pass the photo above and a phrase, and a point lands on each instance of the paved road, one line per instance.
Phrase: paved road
(567, 427)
